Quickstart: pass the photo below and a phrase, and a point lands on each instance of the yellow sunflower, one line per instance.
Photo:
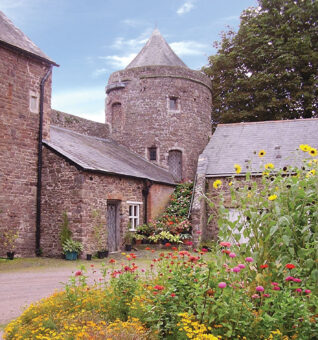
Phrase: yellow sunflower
(237, 168)
(312, 152)
(262, 153)
(304, 147)
(269, 166)
(217, 184)
(272, 197)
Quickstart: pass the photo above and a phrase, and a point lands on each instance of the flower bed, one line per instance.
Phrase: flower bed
(182, 295)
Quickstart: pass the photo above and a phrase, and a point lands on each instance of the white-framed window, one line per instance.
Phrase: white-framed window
(134, 209)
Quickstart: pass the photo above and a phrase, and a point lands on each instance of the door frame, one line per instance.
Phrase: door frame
(117, 204)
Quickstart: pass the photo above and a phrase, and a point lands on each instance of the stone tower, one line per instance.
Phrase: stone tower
(160, 108)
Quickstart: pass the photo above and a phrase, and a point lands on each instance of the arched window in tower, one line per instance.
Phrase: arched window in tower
(117, 117)
(175, 164)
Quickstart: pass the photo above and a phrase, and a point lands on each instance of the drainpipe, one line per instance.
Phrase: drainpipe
(145, 194)
(39, 181)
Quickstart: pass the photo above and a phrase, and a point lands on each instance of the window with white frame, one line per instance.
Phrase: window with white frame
(134, 208)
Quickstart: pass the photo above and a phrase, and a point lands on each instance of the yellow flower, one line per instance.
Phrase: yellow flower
(230, 183)
(272, 197)
(304, 147)
(262, 153)
(237, 168)
(269, 166)
(312, 152)
(311, 173)
(217, 184)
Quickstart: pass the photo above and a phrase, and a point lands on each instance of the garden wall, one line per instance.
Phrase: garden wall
(80, 125)
(20, 78)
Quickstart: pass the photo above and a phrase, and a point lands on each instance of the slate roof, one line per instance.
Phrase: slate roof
(104, 155)
(240, 143)
(156, 52)
(12, 36)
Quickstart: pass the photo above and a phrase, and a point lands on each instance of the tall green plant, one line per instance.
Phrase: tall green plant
(277, 214)
(66, 232)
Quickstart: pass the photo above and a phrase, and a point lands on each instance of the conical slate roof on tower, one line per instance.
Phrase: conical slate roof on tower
(156, 52)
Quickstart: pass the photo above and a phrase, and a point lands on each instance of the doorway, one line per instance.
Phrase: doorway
(175, 164)
(113, 226)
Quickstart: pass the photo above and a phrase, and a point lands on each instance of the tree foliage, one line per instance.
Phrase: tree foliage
(268, 70)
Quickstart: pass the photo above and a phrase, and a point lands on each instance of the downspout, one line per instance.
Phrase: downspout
(192, 196)
(145, 193)
(39, 181)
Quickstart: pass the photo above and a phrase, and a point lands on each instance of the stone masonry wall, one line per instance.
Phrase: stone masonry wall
(79, 193)
(19, 77)
(145, 120)
(80, 125)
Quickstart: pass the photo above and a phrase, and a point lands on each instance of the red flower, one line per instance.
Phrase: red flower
(112, 261)
(172, 294)
(147, 248)
(290, 266)
(174, 248)
(78, 273)
(188, 243)
(204, 250)
(226, 251)
(157, 287)
(263, 266)
(168, 244)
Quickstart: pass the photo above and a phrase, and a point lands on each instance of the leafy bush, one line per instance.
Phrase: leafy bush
(277, 214)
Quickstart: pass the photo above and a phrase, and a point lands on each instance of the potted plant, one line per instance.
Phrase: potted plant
(164, 237)
(65, 233)
(10, 236)
(138, 238)
(71, 249)
(100, 236)
(128, 239)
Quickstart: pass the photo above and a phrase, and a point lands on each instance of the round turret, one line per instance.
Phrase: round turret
(161, 109)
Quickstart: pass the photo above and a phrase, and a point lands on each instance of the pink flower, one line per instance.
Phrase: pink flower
(241, 265)
(225, 244)
(259, 288)
(222, 285)
(274, 283)
(296, 280)
(307, 291)
(298, 290)
(204, 250)
(276, 288)
(236, 269)
(266, 295)
(232, 255)
(255, 296)
(78, 273)
(249, 259)
(289, 278)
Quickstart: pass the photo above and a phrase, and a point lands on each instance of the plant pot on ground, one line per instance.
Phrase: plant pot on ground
(10, 255)
(71, 249)
(9, 238)
(128, 239)
(102, 254)
(88, 257)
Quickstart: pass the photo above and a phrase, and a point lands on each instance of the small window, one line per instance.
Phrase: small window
(173, 103)
(133, 216)
(34, 102)
(152, 153)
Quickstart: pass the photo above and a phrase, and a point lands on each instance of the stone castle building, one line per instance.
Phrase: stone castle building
(117, 174)
(120, 174)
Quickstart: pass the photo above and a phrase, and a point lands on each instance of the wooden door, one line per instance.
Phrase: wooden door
(112, 226)
(175, 164)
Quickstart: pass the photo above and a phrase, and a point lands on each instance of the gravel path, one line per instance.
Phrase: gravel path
(19, 289)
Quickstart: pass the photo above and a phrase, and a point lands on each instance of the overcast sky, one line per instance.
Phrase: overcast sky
(90, 39)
